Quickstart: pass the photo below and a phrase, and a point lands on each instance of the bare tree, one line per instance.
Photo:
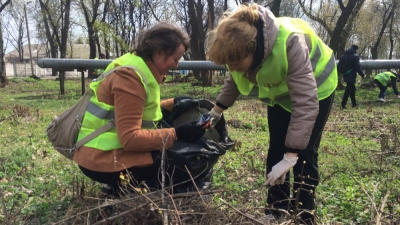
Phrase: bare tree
(197, 36)
(340, 32)
(50, 22)
(388, 12)
(3, 79)
(56, 19)
(14, 27)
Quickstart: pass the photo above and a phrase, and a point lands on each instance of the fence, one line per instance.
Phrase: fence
(24, 70)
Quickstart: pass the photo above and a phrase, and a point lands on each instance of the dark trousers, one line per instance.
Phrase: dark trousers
(306, 177)
(151, 174)
(381, 88)
(349, 91)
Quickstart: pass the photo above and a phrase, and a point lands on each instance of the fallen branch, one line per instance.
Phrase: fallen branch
(144, 205)
(6, 118)
(378, 217)
(255, 220)
(3, 204)
(176, 196)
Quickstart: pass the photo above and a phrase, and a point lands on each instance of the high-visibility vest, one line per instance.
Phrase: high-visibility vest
(385, 77)
(271, 84)
(99, 113)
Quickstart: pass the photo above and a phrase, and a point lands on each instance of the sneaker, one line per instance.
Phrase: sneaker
(381, 100)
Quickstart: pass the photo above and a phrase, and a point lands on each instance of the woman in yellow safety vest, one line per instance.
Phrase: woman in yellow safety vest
(383, 80)
(289, 67)
(130, 96)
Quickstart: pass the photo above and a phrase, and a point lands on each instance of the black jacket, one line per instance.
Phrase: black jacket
(351, 55)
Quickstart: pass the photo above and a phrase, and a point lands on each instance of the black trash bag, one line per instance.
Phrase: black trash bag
(203, 154)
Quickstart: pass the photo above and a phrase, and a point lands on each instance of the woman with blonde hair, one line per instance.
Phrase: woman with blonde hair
(289, 67)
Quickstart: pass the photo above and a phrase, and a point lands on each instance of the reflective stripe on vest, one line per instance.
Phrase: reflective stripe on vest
(271, 78)
(99, 113)
(110, 115)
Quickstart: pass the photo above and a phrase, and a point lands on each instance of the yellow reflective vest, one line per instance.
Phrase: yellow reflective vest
(271, 78)
(99, 113)
(385, 78)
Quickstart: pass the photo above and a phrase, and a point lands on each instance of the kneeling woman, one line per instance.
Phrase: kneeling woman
(131, 96)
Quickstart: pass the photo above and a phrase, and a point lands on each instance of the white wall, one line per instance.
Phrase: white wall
(24, 70)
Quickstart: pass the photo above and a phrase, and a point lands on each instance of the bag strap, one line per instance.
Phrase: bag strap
(108, 126)
(105, 74)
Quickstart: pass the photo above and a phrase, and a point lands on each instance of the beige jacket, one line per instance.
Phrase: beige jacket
(300, 81)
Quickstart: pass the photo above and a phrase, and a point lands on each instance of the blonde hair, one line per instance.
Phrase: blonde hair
(234, 37)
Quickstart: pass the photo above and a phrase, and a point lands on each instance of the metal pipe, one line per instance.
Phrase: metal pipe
(71, 64)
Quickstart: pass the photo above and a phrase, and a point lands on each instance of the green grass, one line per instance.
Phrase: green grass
(359, 157)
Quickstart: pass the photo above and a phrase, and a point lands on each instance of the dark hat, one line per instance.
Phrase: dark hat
(102, 55)
(355, 47)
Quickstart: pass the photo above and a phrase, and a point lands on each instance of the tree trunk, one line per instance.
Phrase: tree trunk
(3, 78)
(197, 35)
(276, 6)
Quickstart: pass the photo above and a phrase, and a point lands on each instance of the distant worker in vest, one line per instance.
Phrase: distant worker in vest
(383, 80)
(290, 68)
(99, 71)
(350, 56)
(131, 97)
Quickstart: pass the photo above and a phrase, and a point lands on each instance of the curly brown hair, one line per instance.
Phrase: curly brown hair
(234, 37)
(163, 36)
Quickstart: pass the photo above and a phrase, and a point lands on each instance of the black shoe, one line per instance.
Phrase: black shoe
(355, 105)
(109, 190)
(344, 107)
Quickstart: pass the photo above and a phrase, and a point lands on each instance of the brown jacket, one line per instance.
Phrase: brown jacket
(300, 81)
(125, 91)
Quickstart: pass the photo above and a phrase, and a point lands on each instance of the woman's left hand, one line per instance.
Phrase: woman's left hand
(281, 168)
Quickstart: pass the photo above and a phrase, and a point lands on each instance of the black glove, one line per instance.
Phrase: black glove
(189, 132)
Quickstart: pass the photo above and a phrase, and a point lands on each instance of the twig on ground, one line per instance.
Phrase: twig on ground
(194, 183)
(3, 205)
(6, 118)
(176, 209)
(255, 220)
(383, 203)
(163, 201)
(106, 220)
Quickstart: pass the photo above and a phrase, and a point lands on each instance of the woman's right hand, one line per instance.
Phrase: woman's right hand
(189, 132)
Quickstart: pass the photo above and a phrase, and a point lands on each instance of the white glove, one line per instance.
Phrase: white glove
(280, 169)
(398, 96)
(214, 116)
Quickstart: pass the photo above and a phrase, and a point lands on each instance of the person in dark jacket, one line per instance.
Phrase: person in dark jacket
(350, 76)
(383, 80)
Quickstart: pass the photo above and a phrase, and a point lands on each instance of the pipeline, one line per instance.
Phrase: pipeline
(82, 64)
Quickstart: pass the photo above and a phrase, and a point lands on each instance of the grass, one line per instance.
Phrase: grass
(358, 159)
